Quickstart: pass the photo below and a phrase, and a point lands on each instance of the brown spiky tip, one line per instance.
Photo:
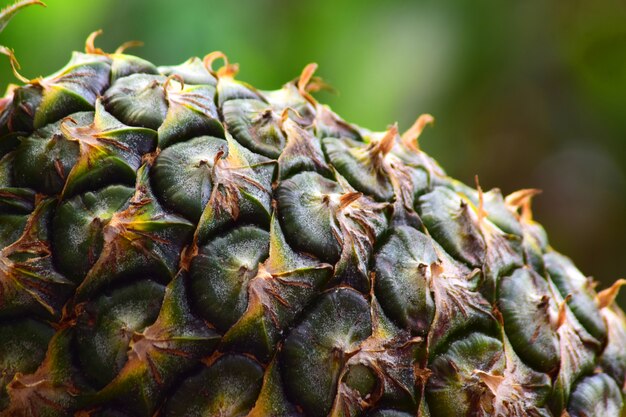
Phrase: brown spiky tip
(317, 84)
(305, 77)
(127, 45)
(436, 269)
(9, 12)
(385, 144)
(481, 200)
(15, 66)
(522, 199)
(606, 298)
(410, 138)
(90, 47)
(64, 128)
(227, 70)
(169, 79)
(187, 255)
(562, 317)
(491, 381)
(306, 83)
(150, 157)
(218, 157)
(348, 198)
(284, 115)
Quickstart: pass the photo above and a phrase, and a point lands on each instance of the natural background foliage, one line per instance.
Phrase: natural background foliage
(526, 94)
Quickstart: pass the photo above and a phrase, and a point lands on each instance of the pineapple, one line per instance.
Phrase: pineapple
(176, 242)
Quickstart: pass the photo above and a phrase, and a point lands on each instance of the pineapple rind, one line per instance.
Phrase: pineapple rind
(176, 242)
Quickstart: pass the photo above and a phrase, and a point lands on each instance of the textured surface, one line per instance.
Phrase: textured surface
(176, 242)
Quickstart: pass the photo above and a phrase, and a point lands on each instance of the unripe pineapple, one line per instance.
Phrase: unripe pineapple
(176, 242)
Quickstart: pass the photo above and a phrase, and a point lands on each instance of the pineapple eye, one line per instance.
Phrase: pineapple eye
(106, 325)
(255, 126)
(402, 285)
(316, 351)
(191, 71)
(228, 387)
(138, 100)
(569, 280)
(596, 395)
(354, 162)
(178, 112)
(527, 321)
(78, 226)
(24, 348)
(307, 221)
(182, 175)
(46, 157)
(221, 272)
(446, 217)
(455, 386)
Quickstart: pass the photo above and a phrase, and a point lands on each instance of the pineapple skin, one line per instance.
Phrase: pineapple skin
(176, 242)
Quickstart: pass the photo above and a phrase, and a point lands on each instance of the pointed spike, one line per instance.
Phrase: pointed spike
(90, 47)
(517, 198)
(527, 211)
(348, 198)
(385, 145)
(176, 77)
(63, 126)
(149, 158)
(436, 269)
(9, 12)
(219, 155)
(410, 138)
(318, 84)
(372, 284)
(497, 314)
(422, 375)
(523, 199)
(188, 253)
(606, 297)
(214, 56)
(15, 66)
(305, 78)
(126, 45)
(303, 83)
(562, 317)
(481, 201)
(262, 272)
(284, 115)
(491, 381)
(227, 70)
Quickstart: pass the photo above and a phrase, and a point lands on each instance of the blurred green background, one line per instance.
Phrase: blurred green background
(526, 94)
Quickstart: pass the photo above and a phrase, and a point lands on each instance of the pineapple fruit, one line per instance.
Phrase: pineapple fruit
(175, 242)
